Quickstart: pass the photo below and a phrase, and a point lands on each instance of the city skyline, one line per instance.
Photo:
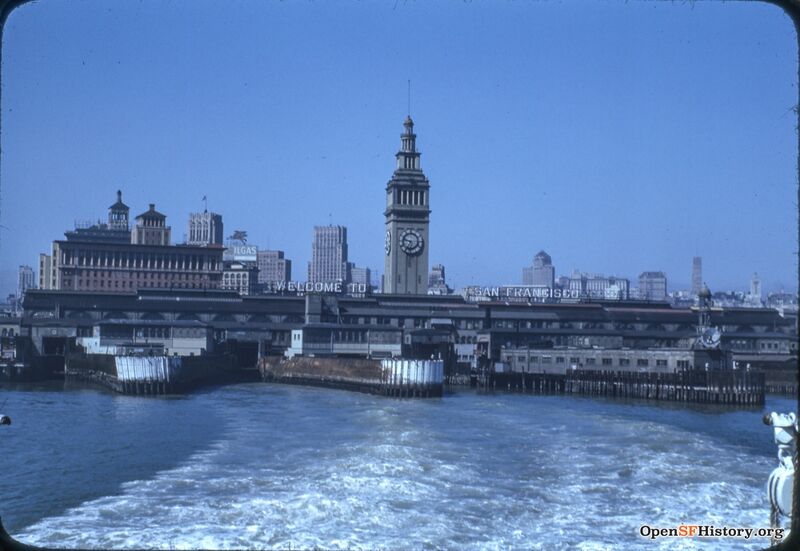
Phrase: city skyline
(670, 287)
(494, 146)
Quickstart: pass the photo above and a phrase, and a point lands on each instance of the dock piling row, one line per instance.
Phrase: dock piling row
(707, 387)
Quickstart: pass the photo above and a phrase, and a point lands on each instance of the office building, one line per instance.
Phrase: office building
(697, 275)
(437, 282)
(26, 280)
(109, 258)
(55, 273)
(541, 273)
(361, 276)
(596, 286)
(239, 276)
(652, 286)
(329, 255)
(205, 228)
(45, 271)
(754, 299)
(273, 268)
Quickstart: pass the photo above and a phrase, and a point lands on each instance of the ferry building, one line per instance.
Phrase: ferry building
(530, 337)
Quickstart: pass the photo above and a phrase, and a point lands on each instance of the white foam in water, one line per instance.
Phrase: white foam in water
(393, 476)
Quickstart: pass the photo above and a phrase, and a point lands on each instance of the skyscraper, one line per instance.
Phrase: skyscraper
(45, 269)
(26, 281)
(205, 228)
(329, 255)
(407, 218)
(541, 273)
(437, 283)
(754, 299)
(697, 275)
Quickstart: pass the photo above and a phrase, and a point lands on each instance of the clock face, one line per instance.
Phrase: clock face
(710, 338)
(388, 243)
(411, 242)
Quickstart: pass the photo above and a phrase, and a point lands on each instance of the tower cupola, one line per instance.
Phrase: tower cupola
(118, 214)
(408, 156)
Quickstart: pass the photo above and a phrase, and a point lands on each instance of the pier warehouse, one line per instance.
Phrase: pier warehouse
(526, 337)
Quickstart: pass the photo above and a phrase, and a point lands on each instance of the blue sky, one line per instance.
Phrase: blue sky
(617, 136)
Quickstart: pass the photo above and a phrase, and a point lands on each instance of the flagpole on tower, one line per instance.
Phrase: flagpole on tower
(205, 204)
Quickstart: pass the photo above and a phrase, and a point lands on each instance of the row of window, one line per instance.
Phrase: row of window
(349, 336)
(328, 337)
(410, 197)
(115, 260)
(506, 324)
(381, 320)
(616, 326)
(129, 274)
(408, 162)
(82, 285)
(574, 360)
(150, 332)
(771, 346)
(236, 276)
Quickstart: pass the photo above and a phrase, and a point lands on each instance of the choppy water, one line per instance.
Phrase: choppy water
(270, 466)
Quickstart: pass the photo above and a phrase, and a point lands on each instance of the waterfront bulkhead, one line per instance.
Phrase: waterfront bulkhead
(624, 335)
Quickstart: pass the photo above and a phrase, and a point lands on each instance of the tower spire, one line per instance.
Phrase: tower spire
(409, 98)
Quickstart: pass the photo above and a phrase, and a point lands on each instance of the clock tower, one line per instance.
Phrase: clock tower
(407, 219)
